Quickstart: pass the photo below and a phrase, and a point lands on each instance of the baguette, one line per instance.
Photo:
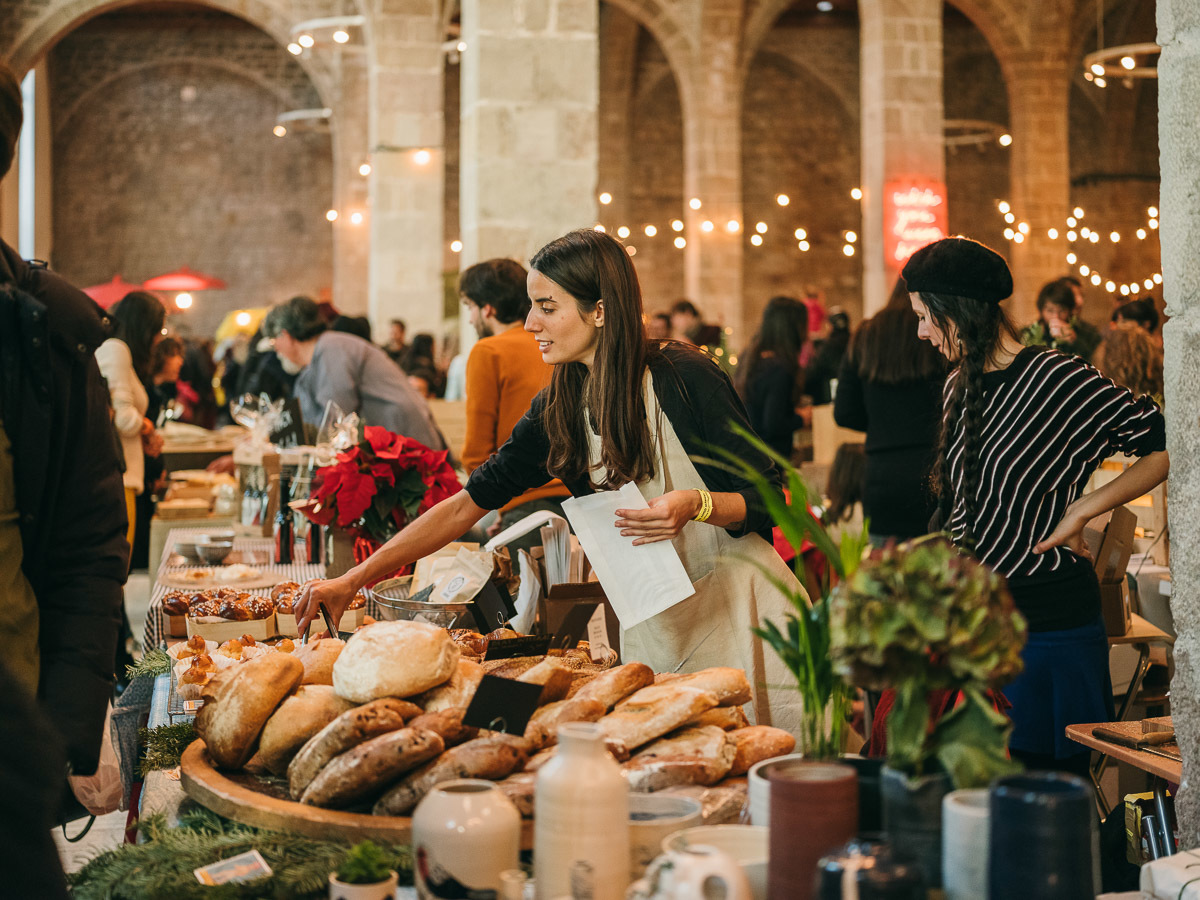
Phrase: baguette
(652, 712)
(728, 718)
(492, 757)
(730, 685)
(542, 730)
(448, 725)
(371, 766)
(457, 692)
(239, 700)
(613, 686)
(702, 755)
(348, 730)
(755, 743)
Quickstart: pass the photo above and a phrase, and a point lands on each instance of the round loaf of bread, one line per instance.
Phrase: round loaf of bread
(318, 658)
(298, 718)
(238, 702)
(394, 659)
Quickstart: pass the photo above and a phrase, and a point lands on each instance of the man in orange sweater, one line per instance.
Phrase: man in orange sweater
(504, 373)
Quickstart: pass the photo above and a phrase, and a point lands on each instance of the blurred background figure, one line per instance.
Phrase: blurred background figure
(1141, 312)
(844, 492)
(420, 361)
(396, 344)
(264, 372)
(359, 326)
(658, 327)
(890, 386)
(1058, 325)
(770, 377)
(1130, 356)
(827, 354)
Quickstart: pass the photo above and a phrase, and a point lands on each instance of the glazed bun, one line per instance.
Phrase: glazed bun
(204, 608)
(284, 587)
(260, 607)
(234, 610)
(284, 603)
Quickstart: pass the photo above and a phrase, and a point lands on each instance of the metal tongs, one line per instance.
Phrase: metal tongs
(333, 632)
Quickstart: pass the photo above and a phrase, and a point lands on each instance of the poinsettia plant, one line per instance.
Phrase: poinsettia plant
(380, 485)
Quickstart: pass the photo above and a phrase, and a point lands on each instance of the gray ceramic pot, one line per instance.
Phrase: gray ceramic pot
(912, 818)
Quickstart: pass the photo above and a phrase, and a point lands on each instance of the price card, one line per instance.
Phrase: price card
(597, 634)
(502, 704)
(290, 430)
(510, 648)
(243, 867)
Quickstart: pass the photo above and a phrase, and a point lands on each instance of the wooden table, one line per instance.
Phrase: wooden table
(1141, 635)
(1162, 769)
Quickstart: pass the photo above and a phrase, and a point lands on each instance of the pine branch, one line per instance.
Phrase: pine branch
(153, 663)
(164, 745)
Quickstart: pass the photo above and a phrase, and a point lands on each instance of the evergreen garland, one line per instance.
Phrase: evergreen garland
(152, 664)
(164, 745)
(163, 867)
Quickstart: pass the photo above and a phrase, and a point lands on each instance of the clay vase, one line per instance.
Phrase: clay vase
(912, 818)
(814, 809)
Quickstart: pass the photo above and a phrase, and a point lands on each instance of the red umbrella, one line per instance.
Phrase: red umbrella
(184, 279)
(111, 291)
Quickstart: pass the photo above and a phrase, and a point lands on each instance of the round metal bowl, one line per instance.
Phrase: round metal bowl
(213, 552)
(391, 599)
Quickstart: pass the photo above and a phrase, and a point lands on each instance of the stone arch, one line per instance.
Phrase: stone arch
(32, 42)
(847, 95)
(281, 93)
(664, 27)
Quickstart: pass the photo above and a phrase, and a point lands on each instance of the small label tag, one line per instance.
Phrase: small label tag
(502, 704)
(289, 432)
(191, 707)
(510, 648)
(243, 867)
(597, 634)
(574, 626)
(489, 608)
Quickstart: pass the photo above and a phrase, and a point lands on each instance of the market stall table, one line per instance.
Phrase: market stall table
(1162, 770)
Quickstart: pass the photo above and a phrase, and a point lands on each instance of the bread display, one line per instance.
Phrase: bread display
(457, 692)
(318, 658)
(238, 702)
(348, 730)
(700, 755)
(394, 659)
(372, 766)
(486, 757)
(297, 719)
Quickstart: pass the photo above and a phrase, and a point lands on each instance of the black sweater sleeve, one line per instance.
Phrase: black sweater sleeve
(519, 464)
(850, 403)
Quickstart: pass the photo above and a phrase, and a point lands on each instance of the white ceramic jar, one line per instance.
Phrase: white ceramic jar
(581, 820)
(465, 833)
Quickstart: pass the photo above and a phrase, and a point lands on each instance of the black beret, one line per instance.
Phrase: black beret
(959, 266)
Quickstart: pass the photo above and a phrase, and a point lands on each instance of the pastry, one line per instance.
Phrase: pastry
(204, 608)
(234, 610)
(490, 757)
(701, 755)
(248, 640)
(203, 663)
(755, 743)
(359, 601)
(519, 789)
(370, 767)
(238, 702)
(284, 587)
(348, 730)
(457, 692)
(285, 645)
(194, 647)
(318, 657)
(285, 603)
(394, 659)
(613, 686)
(297, 719)
(232, 648)
(469, 641)
(260, 607)
(652, 712)
(175, 603)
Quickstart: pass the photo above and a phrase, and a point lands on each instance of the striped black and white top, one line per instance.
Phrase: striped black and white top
(1049, 420)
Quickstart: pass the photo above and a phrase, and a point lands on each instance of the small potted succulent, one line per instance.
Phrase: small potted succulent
(365, 874)
(937, 631)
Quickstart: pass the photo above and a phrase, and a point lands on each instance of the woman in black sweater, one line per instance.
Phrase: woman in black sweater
(1023, 430)
(890, 386)
(770, 375)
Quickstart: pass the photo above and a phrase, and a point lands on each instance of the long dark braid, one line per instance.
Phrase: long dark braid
(974, 330)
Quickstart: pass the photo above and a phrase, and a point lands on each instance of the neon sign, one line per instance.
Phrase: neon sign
(914, 214)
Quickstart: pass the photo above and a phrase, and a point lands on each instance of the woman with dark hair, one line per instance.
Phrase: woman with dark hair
(1023, 429)
(421, 360)
(770, 374)
(124, 361)
(621, 410)
(890, 386)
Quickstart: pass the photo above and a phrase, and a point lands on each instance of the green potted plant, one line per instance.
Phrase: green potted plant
(938, 630)
(364, 874)
(803, 641)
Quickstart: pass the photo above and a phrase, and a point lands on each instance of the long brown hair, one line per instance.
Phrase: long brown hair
(886, 348)
(591, 266)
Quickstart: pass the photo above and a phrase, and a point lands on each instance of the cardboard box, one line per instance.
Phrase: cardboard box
(568, 607)
(285, 623)
(228, 629)
(1111, 549)
(1114, 607)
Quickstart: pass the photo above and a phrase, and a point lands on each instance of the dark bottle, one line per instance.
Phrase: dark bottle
(285, 536)
(314, 544)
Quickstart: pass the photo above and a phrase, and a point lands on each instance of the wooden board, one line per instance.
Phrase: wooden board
(243, 798)
(1169, 769)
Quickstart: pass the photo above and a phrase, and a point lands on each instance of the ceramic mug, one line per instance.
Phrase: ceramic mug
(652, 818)
(965, 844)
(746, 845)
(759, 788)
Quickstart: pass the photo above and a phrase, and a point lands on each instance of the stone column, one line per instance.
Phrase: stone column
(406, 181)
(1038, 91)
(712, 164)
(1179, 156)
(351, 148)
(618, 49)
(529, 105)
(903, 140)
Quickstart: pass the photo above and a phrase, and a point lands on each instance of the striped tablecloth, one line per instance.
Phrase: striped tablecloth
(156, 626)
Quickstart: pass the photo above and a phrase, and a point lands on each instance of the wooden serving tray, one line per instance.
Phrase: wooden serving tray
(254, 800)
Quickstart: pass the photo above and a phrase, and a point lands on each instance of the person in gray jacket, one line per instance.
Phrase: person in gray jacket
(344, 368)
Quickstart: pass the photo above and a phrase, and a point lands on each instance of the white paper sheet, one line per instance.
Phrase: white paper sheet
(528, 595)
(640, 582)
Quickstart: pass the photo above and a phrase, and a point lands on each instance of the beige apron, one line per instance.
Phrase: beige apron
(733, 594)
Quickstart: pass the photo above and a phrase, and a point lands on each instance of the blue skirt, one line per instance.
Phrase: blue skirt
(1065, 682)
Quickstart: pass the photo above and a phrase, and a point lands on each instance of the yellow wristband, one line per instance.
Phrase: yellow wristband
(706, 506)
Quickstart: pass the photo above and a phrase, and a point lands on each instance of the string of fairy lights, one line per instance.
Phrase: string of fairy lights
(1076, 235)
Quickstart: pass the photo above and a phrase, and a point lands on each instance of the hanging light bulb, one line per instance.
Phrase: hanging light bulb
(1003, 206)
(1141, 234)
(801, 234)
(1085, 231)
(1095, 278)
(1052, 233)
(356, 218)
(851, 237)
(1153, 223)
(733, 226)
(422, 157)
(1071, 236)
(706, 225)
(631, 250)
(1072, 221)
(756, 240)
(456, 246)
(305, 41)
(1023, 227)
(184, 300)
(1009, 218)
(1156, 278)
(242, 318)
(605, 198)
(804, 245)
(1097, 69)
(364, 170)
(651, 231)
(623, 232)
(694, 203)
(1148, 284)
(761, 227)
(340, 37)
(680, 242)
(1100, 82)
(279, 131)
(1125, 290)
(1018, 238)
(295, 49)
(783, 199)
(600, 228)
(1071, 258)
(1078, 212)
(331, 215)
(1114, 236)
(1110, 286)
(676, 225)
(1008, 234)
(1152, 212)
(848, 249)
(1005, 140)
(856, 193)
(1083, 270)
(1128, 63)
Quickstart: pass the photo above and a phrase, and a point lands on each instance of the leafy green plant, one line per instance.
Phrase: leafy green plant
(803, 643)
(925, 616)
(364, 864)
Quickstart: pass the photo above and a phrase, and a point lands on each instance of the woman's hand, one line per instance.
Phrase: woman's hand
(335, 593)
(662, 520)
(1069, 533)
(152, 443)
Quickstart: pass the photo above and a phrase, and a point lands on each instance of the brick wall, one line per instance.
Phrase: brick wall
(172, 161)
